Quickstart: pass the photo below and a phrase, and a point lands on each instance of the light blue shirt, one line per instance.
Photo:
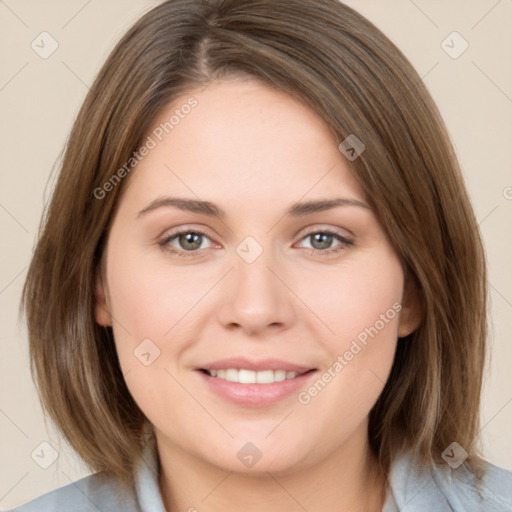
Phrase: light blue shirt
(410, 489)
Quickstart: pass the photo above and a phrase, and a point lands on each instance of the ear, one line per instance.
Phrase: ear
(101, 308)
(412, 309)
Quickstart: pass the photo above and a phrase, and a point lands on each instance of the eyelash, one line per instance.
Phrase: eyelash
(188, 254)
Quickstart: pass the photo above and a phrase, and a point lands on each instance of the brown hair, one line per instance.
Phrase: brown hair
(330, 57)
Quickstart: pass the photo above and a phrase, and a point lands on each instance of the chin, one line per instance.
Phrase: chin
(257, 458)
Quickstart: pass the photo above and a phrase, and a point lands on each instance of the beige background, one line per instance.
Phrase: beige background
(39, 99)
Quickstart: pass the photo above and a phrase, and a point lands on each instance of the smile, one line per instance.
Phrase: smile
(244, 376)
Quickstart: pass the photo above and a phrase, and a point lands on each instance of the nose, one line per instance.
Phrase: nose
(256, 298)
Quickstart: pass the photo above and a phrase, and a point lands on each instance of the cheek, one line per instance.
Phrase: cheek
(361, 305)
(356, 296)
(150, 300)
(150, 314)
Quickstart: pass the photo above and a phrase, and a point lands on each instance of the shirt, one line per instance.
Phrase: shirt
(409, 489)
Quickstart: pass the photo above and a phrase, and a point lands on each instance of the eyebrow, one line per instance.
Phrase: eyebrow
(213, 210)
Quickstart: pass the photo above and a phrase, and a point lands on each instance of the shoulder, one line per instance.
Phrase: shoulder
(90, 494)
(493, 493)
(444, 488)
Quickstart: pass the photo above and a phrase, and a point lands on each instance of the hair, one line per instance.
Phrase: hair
(337, 62)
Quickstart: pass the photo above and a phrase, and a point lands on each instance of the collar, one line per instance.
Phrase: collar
(410, 487)
(146, 480)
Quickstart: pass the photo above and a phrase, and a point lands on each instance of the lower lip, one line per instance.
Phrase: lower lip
(255, 395)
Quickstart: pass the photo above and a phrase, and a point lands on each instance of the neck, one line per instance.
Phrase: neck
(348, 480)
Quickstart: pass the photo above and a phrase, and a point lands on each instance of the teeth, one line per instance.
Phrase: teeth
(251, 377)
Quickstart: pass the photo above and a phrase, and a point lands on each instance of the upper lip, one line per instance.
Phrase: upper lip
(255, 365)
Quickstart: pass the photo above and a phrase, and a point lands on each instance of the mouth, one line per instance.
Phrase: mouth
(246, 376)
(250, 383)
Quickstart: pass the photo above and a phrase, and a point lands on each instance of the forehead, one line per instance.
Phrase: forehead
(241, 140)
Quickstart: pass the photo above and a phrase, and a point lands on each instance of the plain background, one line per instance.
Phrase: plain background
(40, 97)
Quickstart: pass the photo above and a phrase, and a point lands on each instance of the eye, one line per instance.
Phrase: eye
(187, 240)
(321, 241)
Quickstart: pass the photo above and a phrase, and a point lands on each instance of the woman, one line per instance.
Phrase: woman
(260, 283)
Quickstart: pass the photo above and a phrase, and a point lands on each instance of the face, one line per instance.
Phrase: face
(252, 280)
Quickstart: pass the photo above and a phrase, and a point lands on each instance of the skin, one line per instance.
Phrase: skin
(254, 151)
